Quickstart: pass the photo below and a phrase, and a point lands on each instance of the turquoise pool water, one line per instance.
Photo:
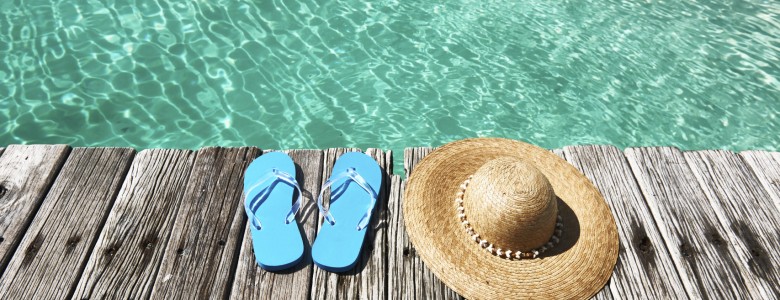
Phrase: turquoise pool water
(390, 74)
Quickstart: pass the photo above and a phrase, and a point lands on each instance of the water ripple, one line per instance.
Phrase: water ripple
(390, 74)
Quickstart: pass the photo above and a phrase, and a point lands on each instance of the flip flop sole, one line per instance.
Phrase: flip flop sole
(337, 247)
(278, 245)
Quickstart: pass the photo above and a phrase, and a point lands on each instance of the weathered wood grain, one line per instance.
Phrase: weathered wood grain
(251, 281)
(707, 265)
(26, 173)
(323, 282)
(412, 156)
(741, 204)
(644, 269)
(766, 166)
(60, 238)
(200, 259)
(413, 278)
(128, 252)
(707, 228)
(400, 264)
(373, 279)
(368, 279)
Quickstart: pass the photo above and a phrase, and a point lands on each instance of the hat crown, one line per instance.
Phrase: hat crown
(511, 204)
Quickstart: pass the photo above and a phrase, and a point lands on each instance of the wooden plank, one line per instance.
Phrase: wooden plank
(251, 281)
(766, 166)
(400, 264)
(26, 173)
(60, 238)
(200, 259)
(373, 279)
(323, 282)
(644, 269)
(1, 151)
(708, 267)
(413, 277)
(129, 250)
(412, 156)
(368, 279)
(740, 203)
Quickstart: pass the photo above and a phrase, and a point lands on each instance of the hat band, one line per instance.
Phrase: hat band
(489, 247)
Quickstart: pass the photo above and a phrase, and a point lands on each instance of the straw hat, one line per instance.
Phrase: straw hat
(470, 202)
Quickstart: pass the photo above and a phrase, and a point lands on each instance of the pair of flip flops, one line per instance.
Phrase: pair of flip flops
(269, 186)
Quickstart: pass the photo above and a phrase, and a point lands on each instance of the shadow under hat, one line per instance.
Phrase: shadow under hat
(513, 198)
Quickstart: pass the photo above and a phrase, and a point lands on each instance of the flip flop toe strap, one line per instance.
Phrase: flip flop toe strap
(275, 176)
(351, 175)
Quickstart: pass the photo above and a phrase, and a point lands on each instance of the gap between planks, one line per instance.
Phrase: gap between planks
(644, 269)
(131, 245)
(697, 240)
(368, 280)
(411, 275)
(742, 205)
(200, 258)
(396, 191)
(26, 174)
(251, 281)
(766, 166)
(60, 238)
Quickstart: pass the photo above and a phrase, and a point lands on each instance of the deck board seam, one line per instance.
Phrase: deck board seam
(185, 182)
(103, 220)
(343, 286)
(654, 218)
(733, 209)
(654, 213)
(233, 270)
(34, 211)
(772, 194)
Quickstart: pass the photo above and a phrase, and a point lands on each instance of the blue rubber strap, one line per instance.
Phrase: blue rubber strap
(356, 178)
(251, 205)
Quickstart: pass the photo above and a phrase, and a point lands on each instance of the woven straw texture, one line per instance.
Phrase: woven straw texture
(576, 268)
(508, 196)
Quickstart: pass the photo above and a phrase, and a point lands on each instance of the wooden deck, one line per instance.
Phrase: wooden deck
(93, 223)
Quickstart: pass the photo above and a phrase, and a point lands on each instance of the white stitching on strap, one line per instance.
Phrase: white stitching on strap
(507, 254)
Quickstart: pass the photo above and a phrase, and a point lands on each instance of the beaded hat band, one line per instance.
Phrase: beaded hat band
(517, 199)
(496, 250)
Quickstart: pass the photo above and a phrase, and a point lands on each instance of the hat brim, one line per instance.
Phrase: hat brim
(578, 267)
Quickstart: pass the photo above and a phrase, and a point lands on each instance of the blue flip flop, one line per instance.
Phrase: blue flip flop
(269, 183)
(355, 184)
